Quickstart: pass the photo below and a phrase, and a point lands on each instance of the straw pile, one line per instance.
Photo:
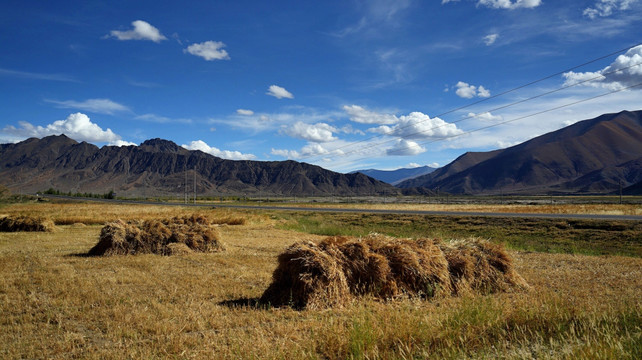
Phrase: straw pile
(478, 266)
(25, 223)
(178, 235)
(335, 270)
(330, 273)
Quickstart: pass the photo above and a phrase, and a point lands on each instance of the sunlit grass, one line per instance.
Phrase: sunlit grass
(57, 303)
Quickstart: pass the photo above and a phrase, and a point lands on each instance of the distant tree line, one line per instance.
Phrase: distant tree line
(108, 195)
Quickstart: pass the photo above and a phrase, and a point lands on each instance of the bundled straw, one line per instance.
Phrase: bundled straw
(331, 272)
(335, 270)
(193, 233)
(479, 266)
(25, 223)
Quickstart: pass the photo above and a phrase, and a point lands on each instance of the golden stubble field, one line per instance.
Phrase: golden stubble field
(55, 302)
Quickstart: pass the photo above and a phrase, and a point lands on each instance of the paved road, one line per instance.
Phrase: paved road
(366, 211)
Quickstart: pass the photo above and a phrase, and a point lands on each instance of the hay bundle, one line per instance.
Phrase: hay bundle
(307, 276)
(418, 267)
(25, 223)
(479, 266)
(331, 272)
(157, 237)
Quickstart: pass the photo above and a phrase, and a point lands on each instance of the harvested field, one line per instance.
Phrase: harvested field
(165, 237)
(58, 303)
(335, 270)
(25, 223)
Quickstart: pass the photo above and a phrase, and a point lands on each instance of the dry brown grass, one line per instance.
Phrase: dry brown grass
(597, 209)
(162, 237)
(25, 223)
(101, 213)
(56, 303)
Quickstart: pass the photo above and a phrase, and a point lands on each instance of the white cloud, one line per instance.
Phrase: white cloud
(603, 8)
(485, 116)
(307, 151)
(467, 91)
(36, 76)
(625, 71)
(225, 154)
(413, 165)
(508, 4)
(245, 112)
(99, 106)
(142, 31)
(279, 92)
(161, 119)
(77, 126)
(483, 92)
(363, 116)
(209, 50)
(316, 133)
(418, 125)
(122, 143)
(405, 148)
(490, 39)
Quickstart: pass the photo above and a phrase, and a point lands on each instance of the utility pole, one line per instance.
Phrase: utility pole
(620, 181)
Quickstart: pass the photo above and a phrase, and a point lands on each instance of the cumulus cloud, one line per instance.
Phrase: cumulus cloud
(603, 8)
(509, 4)
(306, 151)
(142, 31)
(245, 112)
(625, 71)
(77, 126)
(467, 91)
(418, 125)
(486, 116)
(225, 154)
(99, 106)
(209, 50)
(405, 148)
(490, 39)
(312, 132)
(279, 92)
(363, 116)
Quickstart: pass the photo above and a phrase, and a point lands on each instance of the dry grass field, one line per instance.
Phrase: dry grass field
(56, 302)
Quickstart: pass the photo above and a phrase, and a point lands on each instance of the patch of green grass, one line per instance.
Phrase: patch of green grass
(588, 237)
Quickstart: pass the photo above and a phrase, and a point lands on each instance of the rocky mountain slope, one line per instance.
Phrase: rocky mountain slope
(590, 156)
(160, 167)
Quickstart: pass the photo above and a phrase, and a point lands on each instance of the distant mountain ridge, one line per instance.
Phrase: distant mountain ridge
(394, 177)
(160, 167)
(593, 156)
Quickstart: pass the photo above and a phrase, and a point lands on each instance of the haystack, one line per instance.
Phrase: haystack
(332, 272)
(479, 266)
(158, 237)
(25, 223)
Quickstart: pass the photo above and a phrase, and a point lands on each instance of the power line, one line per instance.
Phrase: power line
(534, 114)
(372, 145)
(353, 144)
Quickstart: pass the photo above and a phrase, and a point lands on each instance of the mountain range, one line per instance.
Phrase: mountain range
(394, 177)
(596, 156)
(160, 167)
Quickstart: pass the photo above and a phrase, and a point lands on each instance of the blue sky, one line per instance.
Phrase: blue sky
(342, 84)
